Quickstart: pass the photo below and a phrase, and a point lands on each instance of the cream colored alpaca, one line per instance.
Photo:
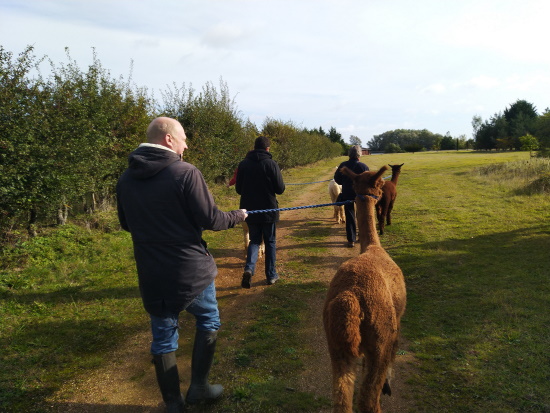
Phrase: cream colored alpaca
(334, 190)
(362, 312)
(261, 250)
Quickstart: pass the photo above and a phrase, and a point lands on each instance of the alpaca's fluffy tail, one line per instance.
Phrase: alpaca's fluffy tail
(342, 322)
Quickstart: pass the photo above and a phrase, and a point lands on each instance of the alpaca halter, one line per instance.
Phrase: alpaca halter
(362, 197)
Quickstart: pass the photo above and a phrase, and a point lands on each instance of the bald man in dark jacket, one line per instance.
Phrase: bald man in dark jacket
(259, 181)
(165, 204)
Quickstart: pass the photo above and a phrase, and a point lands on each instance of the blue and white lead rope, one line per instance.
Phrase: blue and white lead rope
(258, 211)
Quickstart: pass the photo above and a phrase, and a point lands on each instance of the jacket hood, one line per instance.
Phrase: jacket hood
(147, 161)
(258, 155)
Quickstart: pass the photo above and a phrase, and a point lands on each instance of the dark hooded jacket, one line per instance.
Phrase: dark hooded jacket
(259, 180)
(347, 184)
(165, 204)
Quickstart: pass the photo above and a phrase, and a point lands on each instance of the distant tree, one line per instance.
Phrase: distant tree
(490, 131)
(529, 143)
(428, 140)
(405, 137)
(521, 117)
(393, 148)
(477, 122)
(414, 147)
(354, 140)
(447, 143)
(461, 142)
(505, 144)
(334, 135)
(315, 131)
(542, 132)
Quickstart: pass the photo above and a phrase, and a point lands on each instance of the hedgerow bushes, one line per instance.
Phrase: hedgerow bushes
(65, 136)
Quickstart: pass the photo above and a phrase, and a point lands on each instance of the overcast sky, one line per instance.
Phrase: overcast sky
(361, 66)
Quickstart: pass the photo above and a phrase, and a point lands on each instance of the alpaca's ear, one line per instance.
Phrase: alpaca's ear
(380, 172)
(348, 172)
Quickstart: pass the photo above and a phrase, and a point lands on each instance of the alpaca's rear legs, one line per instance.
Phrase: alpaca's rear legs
(388, 215)
(374, 382)
(381, 218)
(343, 382)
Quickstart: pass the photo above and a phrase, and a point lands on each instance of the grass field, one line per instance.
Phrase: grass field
(471, 233)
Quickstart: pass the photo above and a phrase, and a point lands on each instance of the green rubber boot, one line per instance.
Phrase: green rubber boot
(203, 354)
(169, 381)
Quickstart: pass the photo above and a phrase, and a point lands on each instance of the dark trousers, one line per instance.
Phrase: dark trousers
(351, 225)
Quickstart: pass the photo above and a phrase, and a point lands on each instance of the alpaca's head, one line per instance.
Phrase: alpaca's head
(395, 168)
(366, 183)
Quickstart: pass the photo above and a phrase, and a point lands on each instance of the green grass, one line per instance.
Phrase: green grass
(471, 232)
(474, 248)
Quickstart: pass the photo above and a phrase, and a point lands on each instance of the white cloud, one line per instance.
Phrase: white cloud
(435, 88)
(484, 82)
(223, 35)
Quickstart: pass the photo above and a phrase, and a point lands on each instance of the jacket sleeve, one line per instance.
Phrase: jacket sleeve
(238, 180)
(120, 212)
(278, 183)
(203, 207)
(338, 175)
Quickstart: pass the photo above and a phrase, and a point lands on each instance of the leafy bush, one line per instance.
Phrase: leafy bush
(393, 148)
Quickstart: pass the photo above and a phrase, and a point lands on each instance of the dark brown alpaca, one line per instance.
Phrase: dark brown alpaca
(362, 312)
(389, 193)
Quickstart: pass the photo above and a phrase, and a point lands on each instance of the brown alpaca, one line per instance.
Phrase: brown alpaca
(362, 312)
(389, 193)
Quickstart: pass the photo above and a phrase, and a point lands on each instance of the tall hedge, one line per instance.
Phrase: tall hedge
(62, 137)
(65, 136)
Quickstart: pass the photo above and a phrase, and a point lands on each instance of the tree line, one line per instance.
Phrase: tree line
(65, 136)
(518, 127)
(411, 140)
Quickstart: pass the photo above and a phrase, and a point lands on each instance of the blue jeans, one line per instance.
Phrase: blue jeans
(165, 328)
(268, 232)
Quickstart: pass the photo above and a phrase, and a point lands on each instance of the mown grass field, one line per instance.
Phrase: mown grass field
(471, 237)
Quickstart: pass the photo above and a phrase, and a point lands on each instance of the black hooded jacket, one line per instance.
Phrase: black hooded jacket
(347, 184)
(165, 204)
(259, 180)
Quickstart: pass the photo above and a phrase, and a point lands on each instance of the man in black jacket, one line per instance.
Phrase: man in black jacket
(259, 180)
(347, 191)
(165, 204)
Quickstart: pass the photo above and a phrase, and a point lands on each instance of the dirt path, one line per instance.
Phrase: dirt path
(127, 383)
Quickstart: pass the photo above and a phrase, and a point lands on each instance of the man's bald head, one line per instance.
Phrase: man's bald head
(160, 127)
(167, 132)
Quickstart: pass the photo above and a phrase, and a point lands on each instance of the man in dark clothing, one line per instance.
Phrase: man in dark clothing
(165, 204)
(348, 193)
(259, 180)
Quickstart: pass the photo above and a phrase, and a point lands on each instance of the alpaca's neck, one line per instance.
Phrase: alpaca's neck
(395, 177)
(366, 222)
